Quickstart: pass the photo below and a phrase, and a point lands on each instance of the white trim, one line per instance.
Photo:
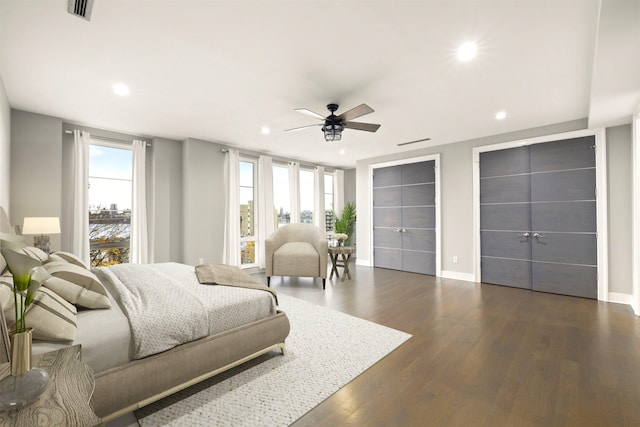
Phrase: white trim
(456, 275)
(620, 298)
(601, 202)
(635, 226)
(406, 161)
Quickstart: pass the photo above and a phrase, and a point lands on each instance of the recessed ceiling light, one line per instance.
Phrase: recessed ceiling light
(467, 51)
(341, 151)
(120, 89)
(500, 115)
(265, 130)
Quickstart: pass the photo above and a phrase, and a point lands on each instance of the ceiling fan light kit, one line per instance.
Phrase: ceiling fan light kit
(334, 125)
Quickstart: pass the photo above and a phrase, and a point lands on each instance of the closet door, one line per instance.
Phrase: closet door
(505, 217)
(404, 224)
(563, 217)
(538, 217)
(387, 217)
(418, 218)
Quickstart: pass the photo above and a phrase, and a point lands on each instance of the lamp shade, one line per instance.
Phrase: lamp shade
(41, 225)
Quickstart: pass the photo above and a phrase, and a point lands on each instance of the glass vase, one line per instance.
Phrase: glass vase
(25, 384)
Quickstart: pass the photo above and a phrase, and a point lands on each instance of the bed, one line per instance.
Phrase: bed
(137, 364)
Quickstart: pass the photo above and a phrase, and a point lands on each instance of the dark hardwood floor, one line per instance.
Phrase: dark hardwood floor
(481, 355)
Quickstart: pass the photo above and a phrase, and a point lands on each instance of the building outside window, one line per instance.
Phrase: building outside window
(307, 190)
(281, 195)
(328, 201)
(110, 200)
(248, 212)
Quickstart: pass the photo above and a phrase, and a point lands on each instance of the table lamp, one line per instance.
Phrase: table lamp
(41, 227)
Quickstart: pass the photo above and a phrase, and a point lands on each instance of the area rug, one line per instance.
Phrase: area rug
(326, 349)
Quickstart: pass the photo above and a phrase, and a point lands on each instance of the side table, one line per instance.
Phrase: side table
(344, 252)
(65, 402)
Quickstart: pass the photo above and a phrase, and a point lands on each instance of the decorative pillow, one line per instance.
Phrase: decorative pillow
(51, 317)
(68, 257)
(76, 285)
(35, 253)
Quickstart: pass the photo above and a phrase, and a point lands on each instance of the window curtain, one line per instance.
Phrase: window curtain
(139, 252)
(231, 254)
(294, 189)
(80, 213)
(318, 200)
(266, 217)
(338, 191)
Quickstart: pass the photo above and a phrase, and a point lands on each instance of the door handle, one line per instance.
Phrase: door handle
(404, 230)
(536, 235)
(524, 235)
(399, 230)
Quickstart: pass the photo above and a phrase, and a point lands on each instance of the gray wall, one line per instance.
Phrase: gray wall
(36, 168)
(167, 204)
(5, 149)
(619, 186)
(203, 192)
(457, 200)
(350, 185)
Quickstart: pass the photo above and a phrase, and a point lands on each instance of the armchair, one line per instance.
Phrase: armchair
(298, 250)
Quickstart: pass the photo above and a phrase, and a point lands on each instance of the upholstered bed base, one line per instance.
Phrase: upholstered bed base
(125, 388)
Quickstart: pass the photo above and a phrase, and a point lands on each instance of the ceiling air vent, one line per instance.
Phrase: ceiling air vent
(81, 8)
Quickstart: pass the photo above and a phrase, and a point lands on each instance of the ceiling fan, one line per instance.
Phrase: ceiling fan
(333, 125)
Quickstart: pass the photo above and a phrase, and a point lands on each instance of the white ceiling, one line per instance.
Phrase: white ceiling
(221, 70)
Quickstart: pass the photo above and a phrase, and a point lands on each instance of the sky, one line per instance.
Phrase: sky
(110, 175)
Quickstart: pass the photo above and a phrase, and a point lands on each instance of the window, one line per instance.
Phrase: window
(328, 201)
(248, 212)
(281, 195)
(307, 190)
(110, 195)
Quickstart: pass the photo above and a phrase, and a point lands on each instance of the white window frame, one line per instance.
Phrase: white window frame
(118, 146)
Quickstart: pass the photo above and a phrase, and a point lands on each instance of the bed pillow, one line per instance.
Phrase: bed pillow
(51, 317)
(76, 285)
(68, 257)
(35, 253)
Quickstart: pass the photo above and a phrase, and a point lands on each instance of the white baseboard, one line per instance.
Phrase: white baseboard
(467, 277)
(621, 298)
(363, 262)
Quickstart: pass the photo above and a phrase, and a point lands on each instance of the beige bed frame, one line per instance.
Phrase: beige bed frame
(125, 388)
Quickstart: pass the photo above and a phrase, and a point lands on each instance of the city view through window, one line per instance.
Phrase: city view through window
(110, 196)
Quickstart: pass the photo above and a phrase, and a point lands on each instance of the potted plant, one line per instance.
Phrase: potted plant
(345, 223)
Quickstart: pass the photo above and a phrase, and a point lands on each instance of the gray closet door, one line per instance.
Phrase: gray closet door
(563, 217)
(505, 217)
(538, 217)
(404, 217)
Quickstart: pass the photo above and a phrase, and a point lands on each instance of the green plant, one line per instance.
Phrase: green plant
(28, 275)
(346, 222)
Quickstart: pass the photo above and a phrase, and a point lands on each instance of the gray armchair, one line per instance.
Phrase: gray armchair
(298, 250)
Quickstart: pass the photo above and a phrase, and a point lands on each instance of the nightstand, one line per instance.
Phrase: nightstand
(65, 402)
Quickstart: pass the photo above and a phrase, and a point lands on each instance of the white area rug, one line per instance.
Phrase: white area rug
(326, 349)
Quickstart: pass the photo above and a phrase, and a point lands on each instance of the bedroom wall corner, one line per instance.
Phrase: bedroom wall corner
(5, 148)
(619, 187)
(203, 201)
(166, 200)
(36, 168)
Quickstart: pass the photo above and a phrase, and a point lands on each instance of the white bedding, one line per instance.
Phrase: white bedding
(106, 336)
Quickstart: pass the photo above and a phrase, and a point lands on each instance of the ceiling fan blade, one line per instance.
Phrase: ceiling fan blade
(369, 127)
(309, 113)
(356, 112)
(304, 127)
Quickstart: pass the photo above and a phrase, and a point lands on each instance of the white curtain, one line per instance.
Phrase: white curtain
(80, 213)
(139, 252)
(318, 200)
(294, 189)
(266, 217)
(231, 254)
(338, 191)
